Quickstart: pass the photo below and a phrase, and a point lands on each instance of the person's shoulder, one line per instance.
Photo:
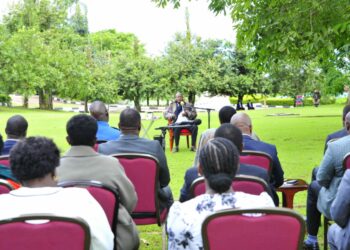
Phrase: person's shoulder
(340, 142)
(251, 200)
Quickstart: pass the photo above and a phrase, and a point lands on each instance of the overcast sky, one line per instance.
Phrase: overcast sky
(155, 27)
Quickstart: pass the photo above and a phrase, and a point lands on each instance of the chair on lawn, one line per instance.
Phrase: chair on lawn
(242, 183)
(250, 229)
(5, 186)
(5, 160)
(44, 231)
(143, 172)
(183, 132)
(257, 158)
(106, 196)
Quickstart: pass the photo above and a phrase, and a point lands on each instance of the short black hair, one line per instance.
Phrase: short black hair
(129, 119)
(81, 130)
(33, 158)
(231, 133)
(16, 126)
(219, 160)
(226, 113)
(346, 110)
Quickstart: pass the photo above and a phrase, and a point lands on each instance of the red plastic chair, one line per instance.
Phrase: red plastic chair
(143, 172)
(241, 183)
(257, 158)
(5, 187)
(106, 196)
(5, 160)
(272, 228)
(346, 161)
(183, 132)
(55, 233)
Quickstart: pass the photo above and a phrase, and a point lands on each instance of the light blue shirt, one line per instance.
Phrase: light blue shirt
(106, 132)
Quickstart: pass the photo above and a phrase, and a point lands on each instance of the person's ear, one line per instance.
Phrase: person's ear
(68, 140)
(119, 125)
(241, 147)
(347, 125)
(94, 141)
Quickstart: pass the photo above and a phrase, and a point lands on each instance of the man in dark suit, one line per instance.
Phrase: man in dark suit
(130, 142)
(233, 134)
(16, 129)
(244, 123)
(340, 133)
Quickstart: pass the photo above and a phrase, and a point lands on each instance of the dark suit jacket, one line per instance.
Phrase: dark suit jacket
(277, 171)
(135, 144)
(192, 174)
(338, 134)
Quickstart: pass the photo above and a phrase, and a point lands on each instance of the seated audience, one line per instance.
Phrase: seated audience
(16, 129)
(244, 123)
(105, 132)
(233, 134)
(33, 162)
(322, 192)
(130, 142)
(339, 233)
(81, 162)
(219, 161)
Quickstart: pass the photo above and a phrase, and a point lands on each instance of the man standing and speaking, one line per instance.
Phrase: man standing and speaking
(181, 112)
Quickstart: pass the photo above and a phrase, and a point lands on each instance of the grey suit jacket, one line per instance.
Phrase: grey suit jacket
(331, 172)
(83, 163)
(340, 211)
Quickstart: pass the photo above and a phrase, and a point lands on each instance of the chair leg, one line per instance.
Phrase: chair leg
(164, 239)
(188, 142)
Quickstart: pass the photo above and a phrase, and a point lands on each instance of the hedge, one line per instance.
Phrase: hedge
(5, 99)
(275, 101)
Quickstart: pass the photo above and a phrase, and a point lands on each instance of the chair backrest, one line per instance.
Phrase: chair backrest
(346, 161)
(44, 231)
(242, 183)
(257, 158)
(106, 196)
(5, 187)
(250, 229)
(5, 160)
(143, 172)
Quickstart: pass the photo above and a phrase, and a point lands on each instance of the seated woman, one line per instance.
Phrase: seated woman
(33, 163)
(218, 162)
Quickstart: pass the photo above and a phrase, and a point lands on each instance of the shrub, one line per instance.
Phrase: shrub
(5, 99)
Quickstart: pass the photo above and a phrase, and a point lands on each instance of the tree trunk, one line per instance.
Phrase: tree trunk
(137, 104)
(25, 101)
(240, 97)
(86, 105)
(157, 101)
(45, 99)
(191, 97)
(147, 99)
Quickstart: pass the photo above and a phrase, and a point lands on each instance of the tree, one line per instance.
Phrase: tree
(133, 74)
(280, 30)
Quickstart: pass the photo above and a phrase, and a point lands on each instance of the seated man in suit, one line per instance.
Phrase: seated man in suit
(233, 134)
(181, 112)
(340, 133)
(16, 129)
(339, 233)
(130, 142)
(81, 162)
(244, 123)
(322, 192)
(105, 132)
(33, 162)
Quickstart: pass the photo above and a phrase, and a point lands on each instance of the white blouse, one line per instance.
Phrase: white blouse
(185, 219)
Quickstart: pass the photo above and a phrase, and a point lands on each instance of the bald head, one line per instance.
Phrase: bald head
(179, 97)
(99, 111)
(16, 127)
(130, 121)
(243, 122)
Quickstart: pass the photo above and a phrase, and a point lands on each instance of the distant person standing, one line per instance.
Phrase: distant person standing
(105, 132)
(16, 130)
(316, 97)
(250, 105)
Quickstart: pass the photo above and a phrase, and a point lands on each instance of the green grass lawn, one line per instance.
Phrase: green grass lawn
(299, 139)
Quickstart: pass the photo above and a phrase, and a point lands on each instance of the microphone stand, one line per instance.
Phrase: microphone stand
(208, 110)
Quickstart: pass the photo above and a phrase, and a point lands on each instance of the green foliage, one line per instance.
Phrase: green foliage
(275, 101)
(5, 99)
